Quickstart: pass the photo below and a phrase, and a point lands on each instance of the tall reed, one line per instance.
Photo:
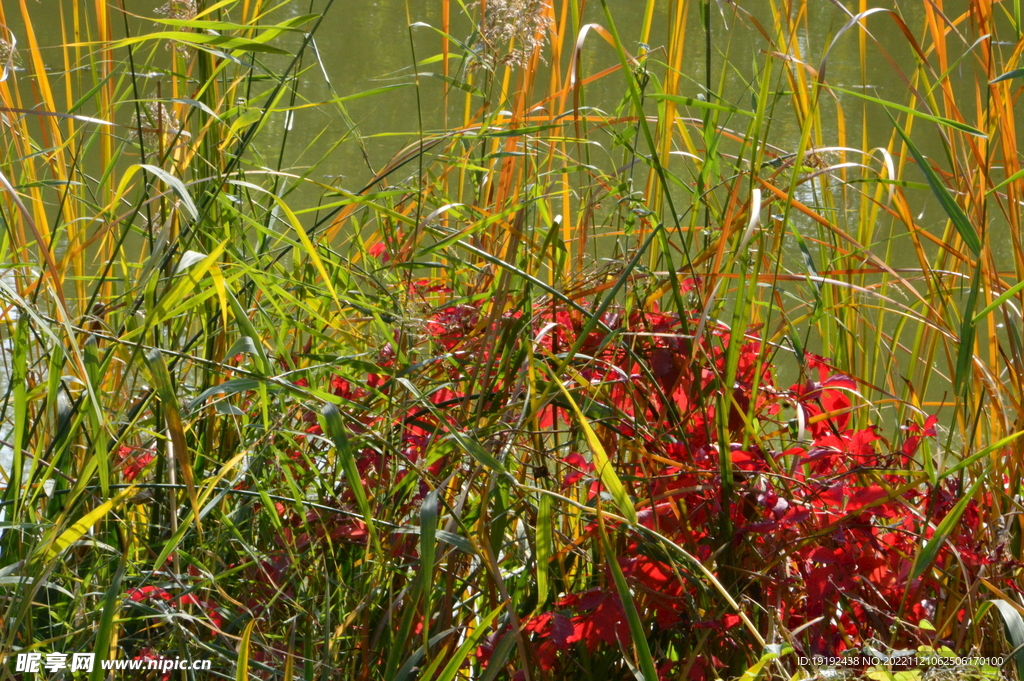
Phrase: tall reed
(605, 377)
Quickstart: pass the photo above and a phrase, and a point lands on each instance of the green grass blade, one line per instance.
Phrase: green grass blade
(501, 652)
(428, 544)
(453, 666)
(994, 447)
(636, 627)
(104, 634)
(19, 385)
(926, 556)
(949, 205)
(545, 539)
(1009, 293)
(336, 430)
(947, 122)
(242, 665)
(84, 524)
(968, 330)
(603, 465)
(1009, 75)
(1015, 630)
(175, 428)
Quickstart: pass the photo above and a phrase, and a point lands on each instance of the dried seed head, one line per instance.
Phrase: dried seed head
(178, 9)
(515, 28)
(182, 10)
(157, 120)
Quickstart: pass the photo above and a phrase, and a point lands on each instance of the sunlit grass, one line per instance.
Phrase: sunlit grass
(312, 429)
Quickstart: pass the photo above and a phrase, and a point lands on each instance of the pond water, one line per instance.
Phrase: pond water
(363, 46)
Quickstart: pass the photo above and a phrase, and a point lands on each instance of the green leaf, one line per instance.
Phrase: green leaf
(636, 627)
(1012, 178)
(94, 371)
(519, 132)
(227, 388)
(477, 451)
(19, 386)
(498, 657)
(895, 183)
(1009, 293)
(177, 186)
(454, 82)
(965, 351)
(949, 205)
(201, 39)
(753, 672)
(545, 540)
(225, 26)
(458, 541)
(453, 666)
(186, 282)
(84, 524)
(1016, 73)
(406, 669)
(1015, 630)
(104, 633)
(604, 467)
(428, 543)
(175, 428)
(242, 667)
(247, 329)
(982, 454)
(336, 430)
(948, 122)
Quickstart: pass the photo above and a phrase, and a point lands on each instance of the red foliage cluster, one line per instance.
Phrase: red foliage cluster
(817, 520)
(146, 655)
(133, 461)
(815, 523)
(153, 595)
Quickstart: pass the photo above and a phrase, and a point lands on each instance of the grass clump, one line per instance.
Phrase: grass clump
(664, 353)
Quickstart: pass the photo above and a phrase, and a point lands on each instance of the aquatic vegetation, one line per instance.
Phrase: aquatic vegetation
(181, 10)
(518, 28)
(661, 343)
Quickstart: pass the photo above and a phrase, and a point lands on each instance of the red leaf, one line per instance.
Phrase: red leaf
(863, 497)
(379, 251)
(561, 630)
